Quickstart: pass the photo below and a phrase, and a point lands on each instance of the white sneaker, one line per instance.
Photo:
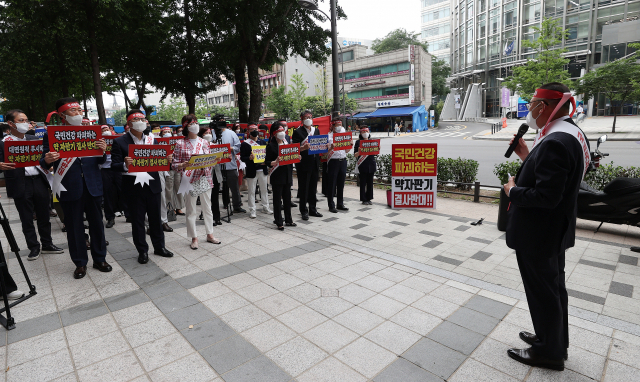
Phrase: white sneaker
(253, 215)
(118, 214)
(16, 294)
(266, 210)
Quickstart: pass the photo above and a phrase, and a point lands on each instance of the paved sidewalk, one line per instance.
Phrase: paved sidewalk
(627, 129)
(368, 295)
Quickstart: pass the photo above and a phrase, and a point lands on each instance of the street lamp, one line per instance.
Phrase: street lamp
(312, 6)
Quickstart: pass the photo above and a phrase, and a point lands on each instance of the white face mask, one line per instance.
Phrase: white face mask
(338, 129)
(194, 128)
(106, 132)
(167, 135)
(308, 122)
(22, 127)
(532, 122)
(208, 137)
(280, 135)
(365, 135)
(139, 126)
(75, 120)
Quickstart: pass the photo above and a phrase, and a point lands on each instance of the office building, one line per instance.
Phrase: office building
(435, 17)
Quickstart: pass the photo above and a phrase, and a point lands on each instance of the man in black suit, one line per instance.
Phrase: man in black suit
(142, 199)
(307, 168)
(79, 192)
(29, 189)
(542, 221)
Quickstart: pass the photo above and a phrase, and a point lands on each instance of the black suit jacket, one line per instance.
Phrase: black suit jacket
(369, 164)
(119, 151)
(250, 170)
(283, 174)
(307, 162)
(15, 178)
(544, 203)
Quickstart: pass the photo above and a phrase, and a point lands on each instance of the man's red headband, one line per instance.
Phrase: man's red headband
(135, 115)
(364, 130)
(336, 121)
(252, 127)
(554, 94)
(67, 106)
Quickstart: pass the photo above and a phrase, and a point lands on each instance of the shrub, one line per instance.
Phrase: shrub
(436, 114)
(351, 163)
(604, 174)
(502, 170)
(383, 167)
(457, 170)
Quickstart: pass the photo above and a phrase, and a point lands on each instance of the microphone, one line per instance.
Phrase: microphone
(521, 131)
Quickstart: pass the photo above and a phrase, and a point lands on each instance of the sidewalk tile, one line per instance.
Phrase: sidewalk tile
(545, 375)
(473, 370)
(195, 280)
(359, 320)
(626, 353)
(258, 369)
(268, 335)
(283, 282)
(488, 306)
(147, 331)
(189, 369)
(163, 289)
(403, 294)
(82, 312)
(296, 355)
(175, 301)
(330, 336)
(224, 272)
(436, 306)
(393, 337)
(302, 319)
(494, 354)
(365, 357)
(304, 292)
(404, 371)
(122, 367)
(329, 306)
(136, 314)
(245, 318)
(476, 321)
(585, 363)
(98, 349)
(239, 281)
(207, 333)
(329, 281)
(258, 291)
(355, 293)
(47, 343)
(210, 290)
(588, 340)
(277, 304)
(229, 354)
(87, 330)
(43, 368)
(163, 351)
(225, 303)
(375, 283)
(416, 320)
(617, 372)
(382, 306)
(456, 337)
(331, 370)
(434, 357)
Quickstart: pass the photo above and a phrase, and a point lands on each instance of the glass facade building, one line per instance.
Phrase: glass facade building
(436, 28)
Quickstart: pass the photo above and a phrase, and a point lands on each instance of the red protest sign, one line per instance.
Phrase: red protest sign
(289, 154)
(321, 123)
(263, 134)
(23, 153)
(342, 141)
(109, 140)
(417, 159)
(149, 158)
(75, 141)
(369, 147)
(169, 141)
(225, 148)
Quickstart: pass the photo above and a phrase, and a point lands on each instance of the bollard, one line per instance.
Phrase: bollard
(476, 192)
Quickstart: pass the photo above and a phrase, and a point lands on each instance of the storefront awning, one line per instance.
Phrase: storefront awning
(395, 111)
(361, 115)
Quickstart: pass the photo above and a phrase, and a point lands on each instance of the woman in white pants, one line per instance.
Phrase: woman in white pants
(194, 144)
(254, 173)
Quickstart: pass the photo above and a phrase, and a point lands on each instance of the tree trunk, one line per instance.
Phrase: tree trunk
(43, 100)
(84, 98)
(62, 68)
(191, 102)
(255, 93)
(615, 115)
(189, 95)
(95, 64)
(241, 90)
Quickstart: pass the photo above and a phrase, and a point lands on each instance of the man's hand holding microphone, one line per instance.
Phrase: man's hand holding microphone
(519, 146)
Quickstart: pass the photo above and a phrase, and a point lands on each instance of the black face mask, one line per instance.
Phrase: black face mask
(31, 132)
(254, 134)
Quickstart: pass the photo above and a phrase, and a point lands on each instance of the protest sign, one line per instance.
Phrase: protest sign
(241, 137)
(204, 161)
(289, 154)
(40, 133)
(23, 153)
(414, 170)
(75, 141)
(369, 147)
(263, 134)
(169, 141)
(225, 149)
(342, 141)
(318, 144)
(148, 158)
(109, 140)
(259, 153)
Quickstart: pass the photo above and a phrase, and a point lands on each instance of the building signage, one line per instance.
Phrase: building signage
(361, 84)
(412, 74)
(414, 171)
(383, 97)
(505, 98)
(412, 53)
(457, 99)
(393, 102)
(377, 76)
(412, 93)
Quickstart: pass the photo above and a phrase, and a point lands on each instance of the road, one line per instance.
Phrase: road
(454, 140)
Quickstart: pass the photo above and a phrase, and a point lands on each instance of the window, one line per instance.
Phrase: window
(510, 12)
(225, 98)
(379, 70)
(435, 15)
(390, 91)
(482, 29)
(436, 30)
(345, 56)
(439, 44)
(531, 13)
(427, 3)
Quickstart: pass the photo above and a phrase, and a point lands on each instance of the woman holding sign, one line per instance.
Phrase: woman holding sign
(281, 177)
(366, 169)
(252, 154)
(200, 179)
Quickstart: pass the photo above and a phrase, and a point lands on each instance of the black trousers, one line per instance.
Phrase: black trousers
(337, 172)
(8, 280)
(307, 188)
(112, 190)
(325, 180)
(143, 202)
(544, 285)
(282, 193)
(34, 198)
(232, 183)
(366, 186)
(74, 221)
(215, 203)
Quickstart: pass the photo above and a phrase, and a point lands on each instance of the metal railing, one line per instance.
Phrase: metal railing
(475, 119)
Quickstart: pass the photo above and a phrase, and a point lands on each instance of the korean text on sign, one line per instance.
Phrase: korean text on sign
(369, 147)
(415, 183)
(225, 149)
(75, 141)
(289, 154)
(318, 144)
(169, 141)
(148, 158)
(415, 160)
(414, 200)
(342, 141)
(203, 161)
(259, 153)
(109, 141)
(23, 153)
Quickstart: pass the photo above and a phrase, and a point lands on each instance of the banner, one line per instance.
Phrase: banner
(40, 133)
(289, 154)
(149, 158)
(241, 137)
(321, 123)
(264, 134)
(169, 141)
(414, 170)
(203, 161)
(324, 157)
(259, 153)
(109, 140)
(75, 141)
(23, 153)
(369, 147)
(225, 149)
(318, 144)
(342, 141)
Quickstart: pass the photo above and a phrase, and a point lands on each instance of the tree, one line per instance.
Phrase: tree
(279, 102)
(439, 73)
(172, 111)
(397, 39)
(548, 64)
(119, 117)
(297, 92)
(617, 80)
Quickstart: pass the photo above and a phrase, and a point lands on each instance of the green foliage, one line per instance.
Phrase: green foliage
(439, 73)
(297, 93)
(351, 163)
(502, 170)
(604, 174)
(439, 107)
(437, 114)
(174, 110)
(119, 117)
(384, 167)
(279, 102)
(397, 39)
(457, 170)
(548, 64)
(230, 113)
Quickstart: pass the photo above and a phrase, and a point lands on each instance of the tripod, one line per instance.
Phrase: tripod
(225, 187)
(9, 322)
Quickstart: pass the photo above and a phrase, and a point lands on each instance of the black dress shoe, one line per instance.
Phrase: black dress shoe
(218, 222)
(527, 357)
(64, 228)
(531, 338)
(281, 228)
(102, 266)
(163, 252)
(179, 213)
(293, 204)
(148, 232)
(80, 272)
(110, 223)
(128, 220)
(292, 224)
(143, 258)
(34, 254)
(51, 249)
(333, 210)
(343, 208)
(166, 228)
(316, 214)
(239, 210)
(305, 216)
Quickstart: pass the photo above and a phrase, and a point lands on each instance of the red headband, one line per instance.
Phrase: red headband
(554, 94)
(335, 121)
(252, 127)
(67, 106)
(277, 131)
(136, 115)
(364, 130)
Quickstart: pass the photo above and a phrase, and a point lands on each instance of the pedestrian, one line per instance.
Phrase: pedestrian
(200, 179)
(165, 132)
(228, 136)
(29, 189)
(111, 186)
(366, 169)
(307, 168)
(172, 182)
(79, 189)
(542, 221)
(216, 175)
(396, 129)
(254, 172)
(336, 170)
(281, 177)
(142, 190)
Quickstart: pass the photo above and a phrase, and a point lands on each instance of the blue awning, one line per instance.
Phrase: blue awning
(360, 115)
(394, 111)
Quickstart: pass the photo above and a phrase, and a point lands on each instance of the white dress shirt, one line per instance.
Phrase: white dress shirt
(339, 154)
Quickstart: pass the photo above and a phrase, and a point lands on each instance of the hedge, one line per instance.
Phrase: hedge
(604, 174)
